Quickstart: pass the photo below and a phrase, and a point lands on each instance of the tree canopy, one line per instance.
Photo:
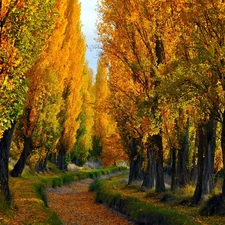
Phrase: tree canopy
(156, 101)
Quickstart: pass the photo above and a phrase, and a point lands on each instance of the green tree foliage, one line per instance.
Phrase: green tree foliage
(47, 129)
(21, 23)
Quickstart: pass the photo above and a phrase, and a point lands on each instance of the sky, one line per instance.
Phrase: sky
(88, 19)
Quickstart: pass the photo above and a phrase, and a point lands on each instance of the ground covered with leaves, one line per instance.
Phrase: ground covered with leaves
(29, 200)
(76, 205)
(64, 198)
(26, 207)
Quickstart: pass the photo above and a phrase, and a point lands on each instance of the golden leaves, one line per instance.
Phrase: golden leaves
(74, 203)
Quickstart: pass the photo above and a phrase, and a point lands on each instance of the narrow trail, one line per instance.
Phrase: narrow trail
(75, 205)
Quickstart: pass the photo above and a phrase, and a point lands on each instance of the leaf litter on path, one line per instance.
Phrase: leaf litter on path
(75, 205)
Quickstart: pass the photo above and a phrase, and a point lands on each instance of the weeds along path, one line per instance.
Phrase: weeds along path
(75, 205)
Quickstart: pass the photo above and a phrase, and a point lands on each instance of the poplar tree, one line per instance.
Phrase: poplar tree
(68, 44)
(20, 23)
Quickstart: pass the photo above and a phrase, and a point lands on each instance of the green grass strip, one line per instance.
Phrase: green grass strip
(141, 212)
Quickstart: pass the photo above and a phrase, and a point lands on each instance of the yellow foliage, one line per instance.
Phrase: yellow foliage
(64, 56)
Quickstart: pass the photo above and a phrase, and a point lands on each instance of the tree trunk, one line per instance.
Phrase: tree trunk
(5, 143)
(149, 174)
(223, 152)
(174, 178)
(38, 166)
(136, 161)
(206, 152)
(160, 185)
(61, 159)
(208, 171)
(41, 165)
(45, 160)
(183, 159)
(53, 158)
(201, 149)
(194, 166)
(20, 165)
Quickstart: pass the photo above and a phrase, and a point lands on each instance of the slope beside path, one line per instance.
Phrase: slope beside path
(75, 205)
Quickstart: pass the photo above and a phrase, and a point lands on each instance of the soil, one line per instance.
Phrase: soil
(74, 204)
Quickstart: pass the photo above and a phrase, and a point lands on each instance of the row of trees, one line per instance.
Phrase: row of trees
(49, 120)
(165, 63)
(48, 99)
(19, 23)
(158, 95)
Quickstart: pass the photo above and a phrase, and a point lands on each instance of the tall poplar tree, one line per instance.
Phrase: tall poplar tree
(68, 44)
(20, 23)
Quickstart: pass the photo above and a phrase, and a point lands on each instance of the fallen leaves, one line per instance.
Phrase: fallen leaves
(75, 205)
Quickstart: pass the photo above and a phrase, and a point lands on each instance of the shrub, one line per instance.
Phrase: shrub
(57, 182)
(67, 178)
(39, 189)
(214, 206)
(54, 219)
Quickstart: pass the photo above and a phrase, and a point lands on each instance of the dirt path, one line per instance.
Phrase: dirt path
(75, 205)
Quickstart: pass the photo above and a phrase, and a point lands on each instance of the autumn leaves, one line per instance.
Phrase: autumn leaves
(47, 89)
(166, 66)
(159, 86)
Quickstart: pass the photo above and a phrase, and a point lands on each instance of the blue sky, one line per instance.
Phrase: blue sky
(88, 19)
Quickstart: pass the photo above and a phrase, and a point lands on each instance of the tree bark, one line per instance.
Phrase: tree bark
(149, 174)
(20, 165)
(53, 158)
(61, 159)
(201, 148)
(223, 152)
(28, 128)
(5, 143)
(207, 143)
(160, 185)
(194, 166)
(136, 161)
(183, 159)
(208, 171)
(41, 164)
(174, 175)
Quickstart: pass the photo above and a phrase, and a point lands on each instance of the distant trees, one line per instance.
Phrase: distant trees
(83, 145)
(105, 129)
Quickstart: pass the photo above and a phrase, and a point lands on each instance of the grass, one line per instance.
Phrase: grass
(29, 201)
(140, 211)
(152, 208)
(183, 196)
(39, 189)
